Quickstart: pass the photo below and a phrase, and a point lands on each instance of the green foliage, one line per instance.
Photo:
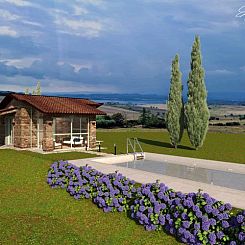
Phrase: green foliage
(144, 117)
(105, 122)
(36, 91)
(175, 112)
(38, 88)
(27, 91)
(242, 117)
(150, 120)
(119, 119)
(196, 109)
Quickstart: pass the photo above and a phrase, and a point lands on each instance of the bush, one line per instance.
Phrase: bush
(114, 192)
(232, 124)
(218, 124)
(119, 119)
(132, 123)
(103, 123)
(237, 228)
(193, 218)
(148, 208)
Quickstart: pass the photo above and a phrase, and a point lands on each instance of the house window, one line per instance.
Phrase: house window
(70, 131)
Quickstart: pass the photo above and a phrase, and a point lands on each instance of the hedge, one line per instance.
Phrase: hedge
(193, 218)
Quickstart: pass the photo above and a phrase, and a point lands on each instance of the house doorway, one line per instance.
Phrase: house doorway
(9, 132)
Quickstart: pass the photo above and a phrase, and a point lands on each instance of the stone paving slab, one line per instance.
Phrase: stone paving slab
(235, 197)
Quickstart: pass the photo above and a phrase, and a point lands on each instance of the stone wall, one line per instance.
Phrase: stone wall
(48, 144)
(24, 137)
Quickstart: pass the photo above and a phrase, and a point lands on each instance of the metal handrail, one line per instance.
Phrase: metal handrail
(138, 143)
(133, 146)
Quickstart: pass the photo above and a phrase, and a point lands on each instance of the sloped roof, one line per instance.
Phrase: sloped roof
(8, 110)
(53, 104)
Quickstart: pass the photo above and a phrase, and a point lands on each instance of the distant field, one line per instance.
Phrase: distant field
(215, 110)
(220, 110)
(128, 114)
(218, 146)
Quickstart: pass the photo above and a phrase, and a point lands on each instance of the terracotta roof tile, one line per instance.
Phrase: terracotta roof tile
(63, 105)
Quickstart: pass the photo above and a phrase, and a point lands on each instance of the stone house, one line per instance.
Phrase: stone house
(47, 122)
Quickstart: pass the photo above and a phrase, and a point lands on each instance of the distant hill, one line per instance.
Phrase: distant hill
(224, 98)
(4, 93)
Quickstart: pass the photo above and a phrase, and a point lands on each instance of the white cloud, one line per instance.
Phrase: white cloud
(86, 28)
(91, 2)
(78, 67)
(19, 84)
(6, 15)
(20, 63)
(20, 3)
(32, 23)
(220, 72)
(78, 10)
(8, 31)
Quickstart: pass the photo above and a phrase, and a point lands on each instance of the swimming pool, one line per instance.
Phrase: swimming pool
(227, 178)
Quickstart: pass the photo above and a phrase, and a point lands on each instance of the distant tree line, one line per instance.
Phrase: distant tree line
(146, 120)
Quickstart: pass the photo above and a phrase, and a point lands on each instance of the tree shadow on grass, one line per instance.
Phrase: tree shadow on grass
(163, 144)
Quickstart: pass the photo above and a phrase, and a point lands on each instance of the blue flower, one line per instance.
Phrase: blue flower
(225, 224)
(208, 209)
(205, 226)
(212, 221)
(212, 238)
(186, 224)
(240, 218)
(241, 236)
(220, 234)
(142, 208)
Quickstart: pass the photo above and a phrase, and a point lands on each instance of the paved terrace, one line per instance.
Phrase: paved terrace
(235, 197)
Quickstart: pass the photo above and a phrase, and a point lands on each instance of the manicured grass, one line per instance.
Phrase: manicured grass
(33, 213)
(218, 146)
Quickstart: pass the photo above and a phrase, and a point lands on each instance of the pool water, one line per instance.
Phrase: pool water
(204, 175)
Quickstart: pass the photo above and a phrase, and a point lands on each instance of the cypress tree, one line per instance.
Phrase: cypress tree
(38, 88)
(175, 106)
(196, 109)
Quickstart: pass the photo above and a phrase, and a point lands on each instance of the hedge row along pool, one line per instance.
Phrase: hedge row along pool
(193, 218)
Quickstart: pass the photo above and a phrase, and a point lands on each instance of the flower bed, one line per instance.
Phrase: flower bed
(193, 218)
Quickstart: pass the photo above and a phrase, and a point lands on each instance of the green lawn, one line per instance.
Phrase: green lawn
(33, 213)
(218, 146)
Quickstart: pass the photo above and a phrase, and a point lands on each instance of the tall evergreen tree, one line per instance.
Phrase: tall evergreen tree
(196, 109)
(38, 88)
(27, 91)
(175, 105)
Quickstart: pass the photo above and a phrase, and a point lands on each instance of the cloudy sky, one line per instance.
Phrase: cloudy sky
(119, 45)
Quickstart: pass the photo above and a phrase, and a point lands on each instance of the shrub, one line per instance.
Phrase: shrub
(114, 192)
(83, 183)
(60, 173)
(193, 218)
(232, 124)
(104, 123)
(119, 119)
(236, 230)
(148, 208)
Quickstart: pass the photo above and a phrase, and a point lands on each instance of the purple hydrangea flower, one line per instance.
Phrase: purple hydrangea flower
(225, 224)
(240, 218)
